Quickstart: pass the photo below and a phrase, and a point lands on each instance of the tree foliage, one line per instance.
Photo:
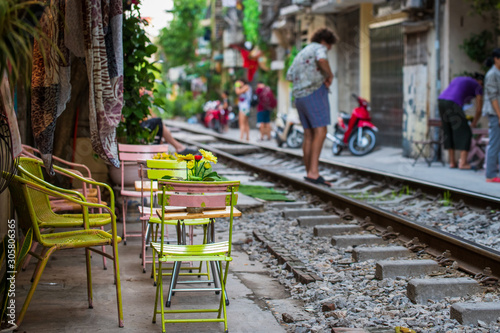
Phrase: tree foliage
(479, 46)
(251, 21)
(178, 39)
(484, 6)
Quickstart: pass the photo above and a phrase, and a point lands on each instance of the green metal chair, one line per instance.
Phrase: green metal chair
(217, 200)
(155, 170)
(22, 189)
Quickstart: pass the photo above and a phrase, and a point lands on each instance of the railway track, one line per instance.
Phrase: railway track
(376, 195)
(385, 206)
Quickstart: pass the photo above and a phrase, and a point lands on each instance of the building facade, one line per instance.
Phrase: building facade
(398, 54)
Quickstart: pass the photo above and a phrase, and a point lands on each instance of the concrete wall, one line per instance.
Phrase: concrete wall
(458, 24)
(416, 92)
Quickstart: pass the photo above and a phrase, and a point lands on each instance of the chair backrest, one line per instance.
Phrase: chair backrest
(23, 205)
(157, 169)
(129, 155)
(214, 195)
(28, 168)
(199, 194)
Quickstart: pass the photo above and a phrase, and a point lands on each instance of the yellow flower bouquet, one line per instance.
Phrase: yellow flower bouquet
(164, 156)
(199, 167)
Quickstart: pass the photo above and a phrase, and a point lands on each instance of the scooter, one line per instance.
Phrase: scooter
(355, 131)
(212, 116)
(288, 131)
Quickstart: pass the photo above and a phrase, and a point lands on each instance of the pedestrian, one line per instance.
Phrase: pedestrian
(311, 76)
(164, 134)
(244, 92)
(154, 123)
(491, 109)
(224, 111)
(267, 102)
(456, 130)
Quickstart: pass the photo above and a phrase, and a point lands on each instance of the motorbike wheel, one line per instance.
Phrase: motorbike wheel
(337, 149)
(294, 138)
(366, 145)
(216, 125)
(279, 142)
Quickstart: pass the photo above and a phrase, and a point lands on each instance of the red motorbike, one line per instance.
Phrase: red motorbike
(214, 116)
(355, 131)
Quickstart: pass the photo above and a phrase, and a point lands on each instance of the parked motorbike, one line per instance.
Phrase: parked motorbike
(355, 131)
(212, 115)
(288, 131)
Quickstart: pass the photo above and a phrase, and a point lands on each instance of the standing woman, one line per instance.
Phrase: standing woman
(491, 108)
(311, 76)
(244, 92)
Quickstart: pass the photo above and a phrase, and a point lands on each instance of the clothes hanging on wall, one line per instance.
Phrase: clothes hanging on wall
(50, 81)
(90, 29)
(102, 31)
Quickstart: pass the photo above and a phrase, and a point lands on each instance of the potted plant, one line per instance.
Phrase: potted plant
(138, 76)
(138, 79)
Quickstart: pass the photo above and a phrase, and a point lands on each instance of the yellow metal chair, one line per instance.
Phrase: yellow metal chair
(46, 217)
(22, 190)
(217, 200)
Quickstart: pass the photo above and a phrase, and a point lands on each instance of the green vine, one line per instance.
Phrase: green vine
(251, 21)
(484, 6)
(137, 74)
(479, 46)
(289, 60)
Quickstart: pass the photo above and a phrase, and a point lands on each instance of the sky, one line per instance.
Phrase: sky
(155, 9)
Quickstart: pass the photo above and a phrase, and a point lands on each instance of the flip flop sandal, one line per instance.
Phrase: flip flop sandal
(320, 181)
(189, 151)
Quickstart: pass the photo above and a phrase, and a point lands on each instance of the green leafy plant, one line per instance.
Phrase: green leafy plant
(18, 25)
(177, 40)
(478, 46)
(12, 256)
(482, 6)
(447, 199)
(289, 59)
(138, 77)
(251, 21)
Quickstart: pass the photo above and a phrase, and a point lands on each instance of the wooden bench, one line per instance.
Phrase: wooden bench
(435, 145)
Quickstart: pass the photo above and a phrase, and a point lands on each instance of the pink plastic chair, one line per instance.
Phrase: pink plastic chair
(129, 156)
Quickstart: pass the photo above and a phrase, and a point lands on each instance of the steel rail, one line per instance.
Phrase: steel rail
(471, 257)
(474, 199)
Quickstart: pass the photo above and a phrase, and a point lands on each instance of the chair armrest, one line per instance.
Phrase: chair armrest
(30, 152)
(50, 186)
(90, 181)
(85, 205)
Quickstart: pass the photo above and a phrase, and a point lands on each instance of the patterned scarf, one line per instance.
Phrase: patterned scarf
(94, 31)
(50, 79)
(102, 24)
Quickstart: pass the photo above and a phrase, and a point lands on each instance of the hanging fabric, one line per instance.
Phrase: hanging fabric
(50, 81)
(102, 32)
